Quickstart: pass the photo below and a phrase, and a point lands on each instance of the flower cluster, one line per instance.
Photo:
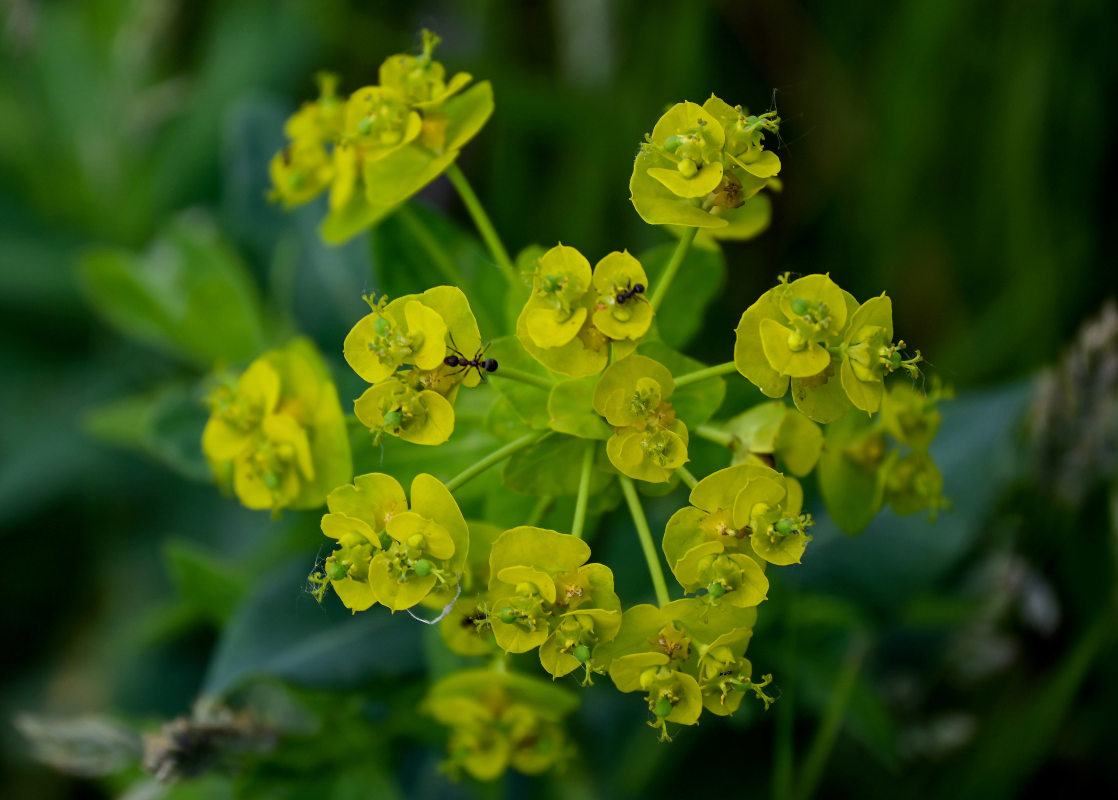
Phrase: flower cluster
(814, 336)
(276, 433)
(574, 315)
(500, 719)
(648, 443)
(685, 657)
(415, 404)
(383, 144)
(391, 553)
(591, 405)
(703, 166)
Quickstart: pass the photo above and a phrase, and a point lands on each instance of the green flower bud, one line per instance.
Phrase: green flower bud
(800, 307)
(336, 570)
(271, 480)
(393, 419)
(423, 567)
(382, 326)
(663, 707)
(507, 615)
(364, 126)
(716, 590)
(581, 653)
(688, 168)
(672, 143)
(784, 526)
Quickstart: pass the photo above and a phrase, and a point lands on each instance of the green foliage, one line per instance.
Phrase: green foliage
(188, 295)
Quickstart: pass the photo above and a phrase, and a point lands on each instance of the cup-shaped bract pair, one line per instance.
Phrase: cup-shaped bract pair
(276, 433)
(384, 143)
(649, 443)
(416, 331)
(390, 552)
(739, 517)
(543, 594)
(574, 313)
(776, 432)
(703, 166)
(500, 720)
(683, 657)
(814, 336)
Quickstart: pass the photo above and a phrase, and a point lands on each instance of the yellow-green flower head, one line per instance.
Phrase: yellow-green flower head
(414, 554)
(567, 325)
(648, 443)
(270, 473)
(379, 121)
(739, 517)
(868, 354)
(702, 166)
(300, 172)
(621, 311)
(500, 720)
(305, 167)
(544, 594)
(672, 654)
(773, 429)
(787, 336)
(278, 434)
(320, 120)
(415, 329)
(914, 483)
(420, 79)
(237, 411)
(911, 416)
(394, 408)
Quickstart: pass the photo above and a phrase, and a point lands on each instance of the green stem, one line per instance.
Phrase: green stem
(496, 457)
(716, 435)
(538, 510)
(827, 732)
(524, 377)
(645, 535)
(481, 221)
(703, 374)
(784, 727)
(673, 267)
(583, 498)
(687, 477)
(430, 245)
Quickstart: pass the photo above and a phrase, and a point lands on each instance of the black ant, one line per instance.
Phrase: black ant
(482, 365)
(629, 292)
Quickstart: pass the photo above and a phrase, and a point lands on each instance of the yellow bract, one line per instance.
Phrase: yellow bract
(573, 313)
(277, 434)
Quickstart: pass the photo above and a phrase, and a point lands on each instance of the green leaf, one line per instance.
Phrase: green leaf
(571, 407)
(530, 402)
(278, 631)
(165, 425)
(419, 247)
(188, 295)
(211, 588)
(553, 466)
(696, 402)
(852, 490)
(701, 278)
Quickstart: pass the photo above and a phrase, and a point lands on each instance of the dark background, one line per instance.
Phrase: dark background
(957, 154)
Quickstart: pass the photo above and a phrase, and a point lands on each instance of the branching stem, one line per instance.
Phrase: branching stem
(496, 457)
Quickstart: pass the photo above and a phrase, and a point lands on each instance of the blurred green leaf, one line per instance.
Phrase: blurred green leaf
(209, 586)
(696, 402)
(188, 295)
(279, 631)
(165, 425)
(699, 281)
(852, 491)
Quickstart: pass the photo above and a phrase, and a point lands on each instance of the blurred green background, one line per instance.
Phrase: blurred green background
(956, 154)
